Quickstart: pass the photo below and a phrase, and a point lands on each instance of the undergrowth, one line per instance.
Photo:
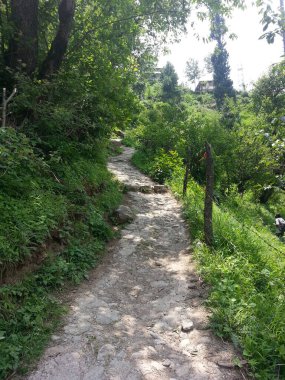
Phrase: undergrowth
(245, 268)
(43, 201)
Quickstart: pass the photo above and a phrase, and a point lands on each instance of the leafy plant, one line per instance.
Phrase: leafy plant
(164, 165)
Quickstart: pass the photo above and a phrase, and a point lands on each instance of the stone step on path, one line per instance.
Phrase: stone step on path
(141, 314)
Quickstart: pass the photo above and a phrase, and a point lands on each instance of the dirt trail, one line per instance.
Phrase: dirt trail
(126, 322)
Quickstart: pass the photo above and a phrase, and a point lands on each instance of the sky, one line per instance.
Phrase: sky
(249, 56)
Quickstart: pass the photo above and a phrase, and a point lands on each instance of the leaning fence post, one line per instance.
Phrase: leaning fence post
(208, 209)
(187, 171)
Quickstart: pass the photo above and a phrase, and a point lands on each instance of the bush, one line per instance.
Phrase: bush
(164, 165)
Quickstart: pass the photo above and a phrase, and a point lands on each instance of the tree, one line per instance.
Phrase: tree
(169, 80)
(275, 18)
(269, 96)
(23, 44)
(208, 64)
(59, 45)
(223, 85)
(192, 70)
(23, 26)
(31, 34)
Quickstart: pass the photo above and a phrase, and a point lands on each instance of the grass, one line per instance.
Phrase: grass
(246, 275)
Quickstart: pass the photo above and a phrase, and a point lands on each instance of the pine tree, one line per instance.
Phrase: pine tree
(223, 85)
(169, 81)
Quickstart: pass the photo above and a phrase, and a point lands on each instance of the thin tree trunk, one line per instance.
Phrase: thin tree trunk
(56, 54)
(23, 49)
(208, 210)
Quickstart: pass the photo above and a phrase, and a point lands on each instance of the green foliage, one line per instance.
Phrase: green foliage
(272, 18)
(192, 70)
(169, 83)
(74, 213)
(142, 161)
(29, 313)
(268, 98)
(245, 154)
(268, 106)
(223, 85)
(164, 165)
(55, 196)
(246, 276)
(159, 123)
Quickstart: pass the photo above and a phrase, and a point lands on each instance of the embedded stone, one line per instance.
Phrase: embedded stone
(187, 326)
(124, 214)
(106, 352)
(166, 363)
(160, 189)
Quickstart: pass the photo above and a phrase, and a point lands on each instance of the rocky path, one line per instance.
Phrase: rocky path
(140, 315)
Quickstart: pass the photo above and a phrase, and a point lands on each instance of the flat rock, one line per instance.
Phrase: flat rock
(158, 284)
(166, 363)
(226, 364)
(160, 189)
(230, 364)
(55, 337)
(54, 351)
(154, 335)
(107, 316)
(124, 214)
(146, 189)
(106, 352)
(78, 329)
(187, 326)
(95, 373)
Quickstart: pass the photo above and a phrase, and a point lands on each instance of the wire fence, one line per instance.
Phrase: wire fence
(246, 226)
(252, 229)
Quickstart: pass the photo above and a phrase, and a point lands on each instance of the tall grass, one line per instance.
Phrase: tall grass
(246, 270)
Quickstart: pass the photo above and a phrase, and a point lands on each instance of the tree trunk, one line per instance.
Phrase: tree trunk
(59, 45)
(23, 46)
(208, 210)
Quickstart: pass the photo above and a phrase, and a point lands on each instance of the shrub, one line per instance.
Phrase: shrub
(164, 165)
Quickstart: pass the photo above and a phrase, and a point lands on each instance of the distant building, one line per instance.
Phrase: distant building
(205, 86)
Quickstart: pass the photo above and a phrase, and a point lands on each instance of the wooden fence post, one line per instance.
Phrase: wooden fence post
(187, 171)
(208, 209)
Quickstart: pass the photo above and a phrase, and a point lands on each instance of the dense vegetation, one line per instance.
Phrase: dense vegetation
(82, 70)
(246, 265)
